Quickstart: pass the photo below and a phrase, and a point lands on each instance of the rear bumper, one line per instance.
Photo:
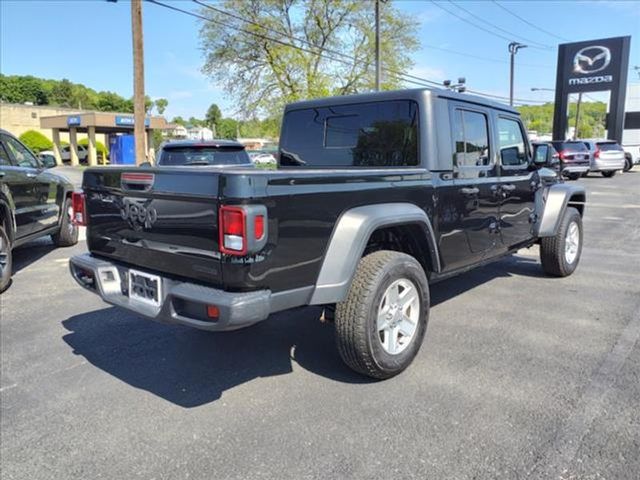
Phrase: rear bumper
(575, 169)
(605, 166)
(182, 302)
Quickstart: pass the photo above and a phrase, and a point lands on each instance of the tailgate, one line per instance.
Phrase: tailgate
(163, 220)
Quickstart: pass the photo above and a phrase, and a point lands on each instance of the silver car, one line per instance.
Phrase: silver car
(607, 157)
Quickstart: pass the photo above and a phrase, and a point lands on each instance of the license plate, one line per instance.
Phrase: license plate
(145, 288)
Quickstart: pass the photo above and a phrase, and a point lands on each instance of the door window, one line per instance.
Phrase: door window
(4, 157)
(21, 154)
(471, 139)
(513, 148)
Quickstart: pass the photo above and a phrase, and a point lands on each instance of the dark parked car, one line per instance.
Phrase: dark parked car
(218, 153)
(33, 202)
(575, 159)
(376, 197)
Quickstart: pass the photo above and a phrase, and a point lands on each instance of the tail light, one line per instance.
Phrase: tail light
(242, 229)
(79, 209)
(597, 153)
(561, 155)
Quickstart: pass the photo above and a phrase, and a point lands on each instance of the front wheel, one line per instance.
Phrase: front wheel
(5, 260)
(382, 322)
(609, 173)
(560, 254)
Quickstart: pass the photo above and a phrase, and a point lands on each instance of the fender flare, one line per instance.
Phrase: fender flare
(552, 204)
(349, 239)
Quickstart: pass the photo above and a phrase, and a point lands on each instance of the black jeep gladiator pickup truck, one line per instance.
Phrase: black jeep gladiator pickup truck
(376, 196)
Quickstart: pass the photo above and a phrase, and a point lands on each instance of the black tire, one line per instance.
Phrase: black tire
(628, 163)
(573, 176)
(585, 174)
(358, 339)
(552, 249)
(6, 263)
(609, 174)
(68, 233)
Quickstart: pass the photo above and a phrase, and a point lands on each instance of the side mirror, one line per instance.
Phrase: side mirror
(543, 155)
(48, 161)
(146, 165)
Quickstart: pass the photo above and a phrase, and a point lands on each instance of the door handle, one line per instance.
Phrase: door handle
(32, 175)
(469, 190)
(509, 187)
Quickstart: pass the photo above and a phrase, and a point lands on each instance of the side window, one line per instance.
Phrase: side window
(21, 154)
(377, 134)
(4, 157)
(513, 149)
(471, 137)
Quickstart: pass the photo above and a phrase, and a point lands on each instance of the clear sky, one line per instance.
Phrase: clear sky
(89, 42)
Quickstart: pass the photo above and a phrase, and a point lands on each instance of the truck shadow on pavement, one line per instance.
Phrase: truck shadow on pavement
(190, 368)
(30, 253)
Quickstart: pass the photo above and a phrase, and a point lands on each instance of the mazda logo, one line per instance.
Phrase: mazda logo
(138, 215)
(591, 59)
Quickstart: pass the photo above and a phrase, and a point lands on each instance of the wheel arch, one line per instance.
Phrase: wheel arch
(353, 234)
(554, 202)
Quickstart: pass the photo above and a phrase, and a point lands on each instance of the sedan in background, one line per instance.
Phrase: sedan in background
(607, 157)
(574, 158)
(217, 153)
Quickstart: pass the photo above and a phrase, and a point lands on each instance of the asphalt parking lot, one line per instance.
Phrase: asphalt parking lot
(520, 376)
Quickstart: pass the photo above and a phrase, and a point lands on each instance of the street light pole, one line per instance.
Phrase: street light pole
(138, 82)
(378, 66)
(575, 130)
(513, 49)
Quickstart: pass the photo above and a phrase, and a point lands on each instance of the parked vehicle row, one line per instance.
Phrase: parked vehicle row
(376, 197)
(580, 157)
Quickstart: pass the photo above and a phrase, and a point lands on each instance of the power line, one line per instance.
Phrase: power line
(513, 35)
(423, 82)
(512, 13)
(480, 27)
(485, 59)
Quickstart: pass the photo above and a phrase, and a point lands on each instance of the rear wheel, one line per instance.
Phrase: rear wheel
(573, 176)
(68, 233)
(609, 173)
(5, 260)
(560, 254)
(382, 322)
(628, 163)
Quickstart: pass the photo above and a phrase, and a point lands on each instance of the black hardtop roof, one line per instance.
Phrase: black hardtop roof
(407, 94)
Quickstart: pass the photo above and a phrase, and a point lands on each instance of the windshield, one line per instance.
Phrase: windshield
(193, 155)
(609, 147)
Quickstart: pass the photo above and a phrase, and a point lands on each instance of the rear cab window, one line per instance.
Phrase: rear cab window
(186, 155)
(376, 134)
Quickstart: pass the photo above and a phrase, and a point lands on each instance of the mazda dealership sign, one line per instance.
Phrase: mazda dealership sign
(592, 66)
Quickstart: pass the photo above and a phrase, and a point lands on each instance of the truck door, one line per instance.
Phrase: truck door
(517, 184)
(475, 182)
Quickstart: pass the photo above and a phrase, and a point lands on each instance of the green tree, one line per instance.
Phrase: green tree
(214, 115)
(36, 141)
(161, 105)
(262, 74)
(227, 128)
(179, 121)
(22, 89)
(62, 94)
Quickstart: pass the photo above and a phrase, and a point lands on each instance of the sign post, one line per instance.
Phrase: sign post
(592, 66)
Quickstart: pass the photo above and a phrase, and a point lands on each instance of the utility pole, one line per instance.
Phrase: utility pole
(575, 130)
(513, 49)
(138, 82)
(378, 66)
